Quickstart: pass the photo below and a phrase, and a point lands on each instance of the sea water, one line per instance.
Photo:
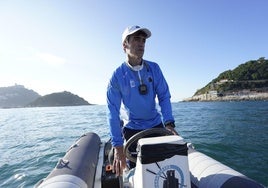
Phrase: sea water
(33, 139)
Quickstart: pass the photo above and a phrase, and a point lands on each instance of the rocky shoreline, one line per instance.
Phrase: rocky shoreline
(238, 96)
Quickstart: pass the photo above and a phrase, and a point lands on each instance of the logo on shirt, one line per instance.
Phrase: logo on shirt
(132, 83)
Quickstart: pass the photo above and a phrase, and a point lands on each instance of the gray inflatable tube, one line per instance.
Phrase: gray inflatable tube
(206, 172)
(77, 168)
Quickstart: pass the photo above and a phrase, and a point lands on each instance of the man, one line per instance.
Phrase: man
(135, 84)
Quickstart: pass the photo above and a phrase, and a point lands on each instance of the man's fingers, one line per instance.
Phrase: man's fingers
(117, 167)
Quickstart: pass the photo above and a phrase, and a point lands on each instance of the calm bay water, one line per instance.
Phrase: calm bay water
(33, 139)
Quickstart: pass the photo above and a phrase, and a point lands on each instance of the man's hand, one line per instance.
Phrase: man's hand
(119, 163)
(171, 129)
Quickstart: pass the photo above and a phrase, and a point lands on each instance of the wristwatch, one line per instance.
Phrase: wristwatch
(170, 124)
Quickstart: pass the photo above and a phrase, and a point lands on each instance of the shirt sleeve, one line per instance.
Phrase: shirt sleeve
(113, 111)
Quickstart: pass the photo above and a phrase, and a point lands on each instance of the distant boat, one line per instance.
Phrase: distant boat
(165, 161)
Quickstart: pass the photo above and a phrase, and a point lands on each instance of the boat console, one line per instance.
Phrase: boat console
(162, 162)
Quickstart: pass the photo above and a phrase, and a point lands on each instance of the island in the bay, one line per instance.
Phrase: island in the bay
(18, 96)
(248, 81)
(64, 98)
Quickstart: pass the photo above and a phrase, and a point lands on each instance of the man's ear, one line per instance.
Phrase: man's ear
(124, 46)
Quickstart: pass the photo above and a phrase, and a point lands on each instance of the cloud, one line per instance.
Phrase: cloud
(30, 55)
(50, 58)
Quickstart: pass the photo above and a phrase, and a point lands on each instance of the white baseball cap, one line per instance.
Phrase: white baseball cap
(133, 29)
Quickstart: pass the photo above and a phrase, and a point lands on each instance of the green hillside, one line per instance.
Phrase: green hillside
(59, 99)
(252, 75)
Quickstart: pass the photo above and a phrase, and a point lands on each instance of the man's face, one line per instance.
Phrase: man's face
(135, 45)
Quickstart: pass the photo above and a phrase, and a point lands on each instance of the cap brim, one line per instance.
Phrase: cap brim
(145, 30)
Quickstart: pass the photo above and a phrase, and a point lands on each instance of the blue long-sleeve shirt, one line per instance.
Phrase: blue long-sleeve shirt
(141, 109)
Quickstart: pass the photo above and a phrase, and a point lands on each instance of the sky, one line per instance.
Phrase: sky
(75, 45)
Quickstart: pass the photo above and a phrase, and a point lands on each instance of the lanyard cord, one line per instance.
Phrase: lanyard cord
(141, 82)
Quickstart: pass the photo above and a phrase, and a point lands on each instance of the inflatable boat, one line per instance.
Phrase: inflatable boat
(164, 161)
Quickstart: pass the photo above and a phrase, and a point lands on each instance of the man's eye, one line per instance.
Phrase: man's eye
(138, 39)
